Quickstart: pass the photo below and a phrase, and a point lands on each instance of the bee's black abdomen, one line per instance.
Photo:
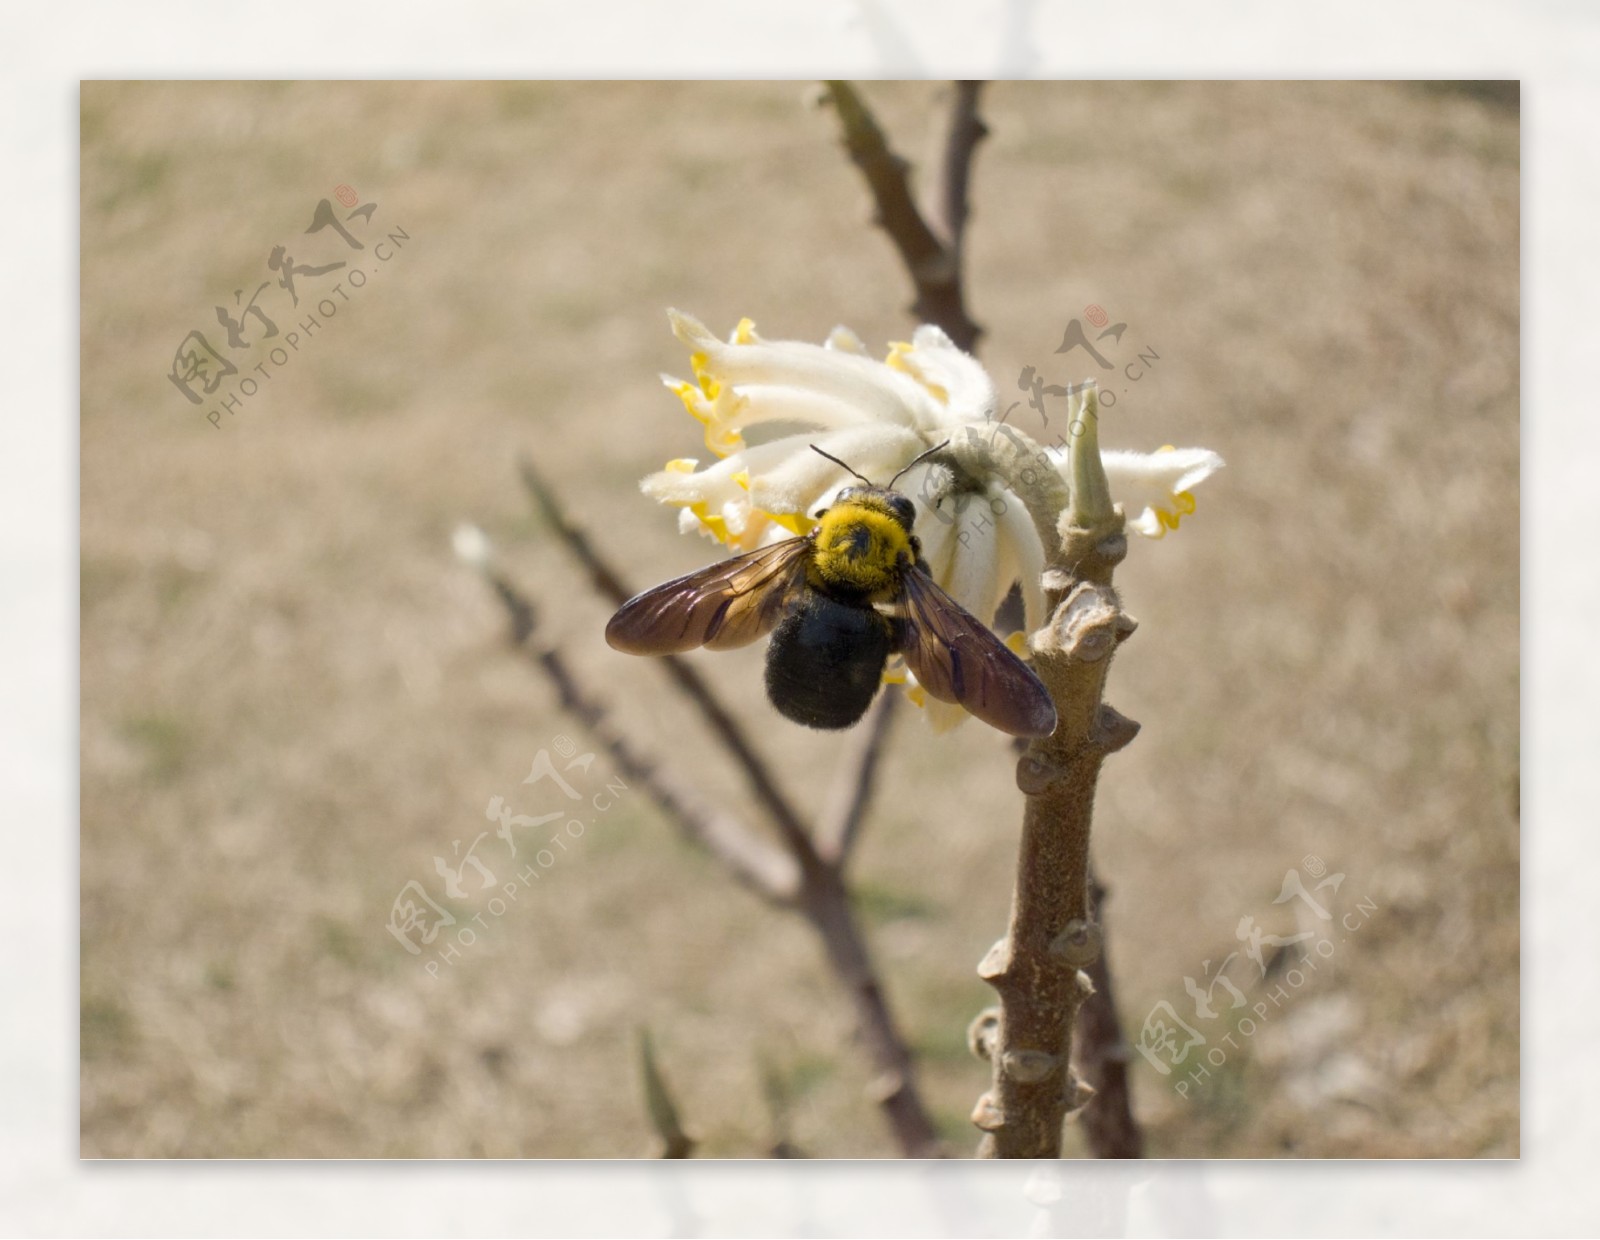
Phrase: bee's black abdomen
(826, 661)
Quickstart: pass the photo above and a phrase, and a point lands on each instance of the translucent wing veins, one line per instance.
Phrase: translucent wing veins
(722, 606)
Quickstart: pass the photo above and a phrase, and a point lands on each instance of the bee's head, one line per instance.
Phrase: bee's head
(898, 506)
(885, 499)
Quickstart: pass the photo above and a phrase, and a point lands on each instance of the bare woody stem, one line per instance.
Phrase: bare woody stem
(952, 203)
(1102, 1054)
(1085, 553)
(840, 825)
(771, 874)
(825, 901)
(934, 261)
(606, 579)
(1038, 969)
(799, 876)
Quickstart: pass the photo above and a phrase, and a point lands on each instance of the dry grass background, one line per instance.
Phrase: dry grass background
(292, 697)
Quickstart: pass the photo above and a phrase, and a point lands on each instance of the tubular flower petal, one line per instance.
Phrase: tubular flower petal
(1158, 486)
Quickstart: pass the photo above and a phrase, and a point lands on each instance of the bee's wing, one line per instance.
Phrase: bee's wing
(726, 605)
(956, 658)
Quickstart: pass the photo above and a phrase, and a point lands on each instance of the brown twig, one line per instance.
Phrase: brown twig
(854, 785)
(1102, 1054)
(1038, 969)
(934, 262)
(826, 904)
(1053, 863)
(606, 580)
(961, 144)
(798, 878)
(808, 878)
(763, 783)
(764, 869)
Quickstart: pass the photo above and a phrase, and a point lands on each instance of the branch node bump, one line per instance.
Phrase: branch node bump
(1113, 730)
(1035, 774)
(987, 1115)
(1113, 549)
(1079, 944)
(982, 1033)
(1078, 1094)
(1028, 1066)
(1056, 581)
(1084, 626)
(996, 961)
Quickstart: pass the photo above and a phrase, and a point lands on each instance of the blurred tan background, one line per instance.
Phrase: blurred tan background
(294, 698)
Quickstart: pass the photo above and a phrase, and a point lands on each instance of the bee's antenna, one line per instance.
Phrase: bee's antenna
(839, 463)
(924, 456)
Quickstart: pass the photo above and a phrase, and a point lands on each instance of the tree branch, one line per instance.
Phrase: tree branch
(763, 783)
(826, 903)
(933, 262)
(766, 871)
(841, 821)
(1038, 969)
(1102, 1054)
(961, 144)
(799, 878)
(605, 579)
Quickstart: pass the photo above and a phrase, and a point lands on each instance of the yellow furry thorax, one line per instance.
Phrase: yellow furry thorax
(859, 547)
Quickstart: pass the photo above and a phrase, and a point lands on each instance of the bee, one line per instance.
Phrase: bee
(838, 602)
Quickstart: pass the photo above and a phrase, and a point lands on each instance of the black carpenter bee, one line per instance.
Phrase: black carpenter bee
(838, 602)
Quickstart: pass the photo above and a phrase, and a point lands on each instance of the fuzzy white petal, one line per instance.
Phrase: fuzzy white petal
(1158, 473)
(876, 391)
(936, 362)
(1152, 487)
(796, 484)
(974, 572)
(1021, 558)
